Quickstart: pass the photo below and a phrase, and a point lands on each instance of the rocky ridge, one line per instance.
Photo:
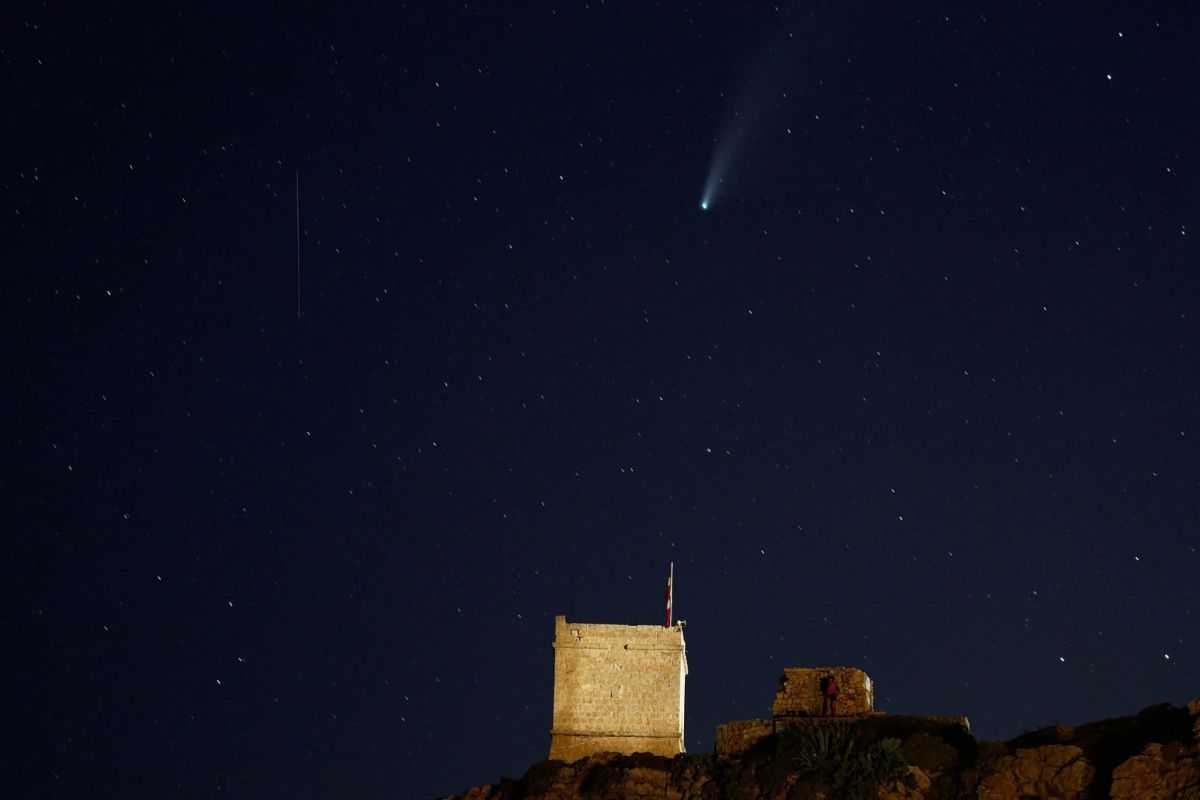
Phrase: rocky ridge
(1154, 755)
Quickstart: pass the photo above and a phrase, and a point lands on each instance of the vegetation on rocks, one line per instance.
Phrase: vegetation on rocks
(1153, 754)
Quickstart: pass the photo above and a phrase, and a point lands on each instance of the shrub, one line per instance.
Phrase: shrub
(853, 769)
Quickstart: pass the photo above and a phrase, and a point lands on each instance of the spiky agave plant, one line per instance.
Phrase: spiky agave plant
(821, 748)
(859, 776)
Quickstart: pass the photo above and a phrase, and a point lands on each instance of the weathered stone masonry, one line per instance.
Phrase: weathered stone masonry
(617, 688)
(799, 692)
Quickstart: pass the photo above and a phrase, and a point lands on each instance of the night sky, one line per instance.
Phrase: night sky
(916, 393)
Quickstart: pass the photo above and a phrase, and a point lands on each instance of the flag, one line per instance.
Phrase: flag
(670, 580)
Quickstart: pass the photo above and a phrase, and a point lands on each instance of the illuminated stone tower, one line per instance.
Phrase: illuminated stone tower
(617, 688)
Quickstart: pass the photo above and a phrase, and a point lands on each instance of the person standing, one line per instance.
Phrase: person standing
(829, 694)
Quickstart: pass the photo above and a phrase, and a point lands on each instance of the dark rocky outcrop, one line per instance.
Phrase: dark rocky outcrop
(1154, 755)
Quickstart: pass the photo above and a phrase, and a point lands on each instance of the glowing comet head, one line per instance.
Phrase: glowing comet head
(709, 195)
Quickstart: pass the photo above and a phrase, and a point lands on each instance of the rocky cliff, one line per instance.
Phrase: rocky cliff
(1154, 755)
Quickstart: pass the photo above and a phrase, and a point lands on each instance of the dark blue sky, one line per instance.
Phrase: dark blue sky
(918, 394)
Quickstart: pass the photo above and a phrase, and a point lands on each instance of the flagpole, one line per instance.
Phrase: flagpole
(670, 583)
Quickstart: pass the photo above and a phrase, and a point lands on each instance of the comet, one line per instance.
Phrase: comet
(743, 126)
(745, 123)
(727, 147)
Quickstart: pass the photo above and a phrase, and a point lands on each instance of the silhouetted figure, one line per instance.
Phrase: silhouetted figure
(829, 693)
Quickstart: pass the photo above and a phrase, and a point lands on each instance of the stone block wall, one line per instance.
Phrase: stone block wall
(799, 693)
(735, 738)
(617, 688)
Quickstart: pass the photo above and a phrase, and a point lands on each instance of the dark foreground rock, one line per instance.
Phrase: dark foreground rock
(1154, 755)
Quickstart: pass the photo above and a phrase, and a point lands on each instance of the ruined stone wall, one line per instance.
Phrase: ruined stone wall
(617, 688)
(799, 693)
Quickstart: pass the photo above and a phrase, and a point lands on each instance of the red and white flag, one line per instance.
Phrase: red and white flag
(670, 580)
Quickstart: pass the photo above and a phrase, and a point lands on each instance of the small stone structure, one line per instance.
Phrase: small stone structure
(617, 688)
(800, 688)
(798, 703)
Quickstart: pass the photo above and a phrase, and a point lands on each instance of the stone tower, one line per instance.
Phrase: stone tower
(617, 688)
